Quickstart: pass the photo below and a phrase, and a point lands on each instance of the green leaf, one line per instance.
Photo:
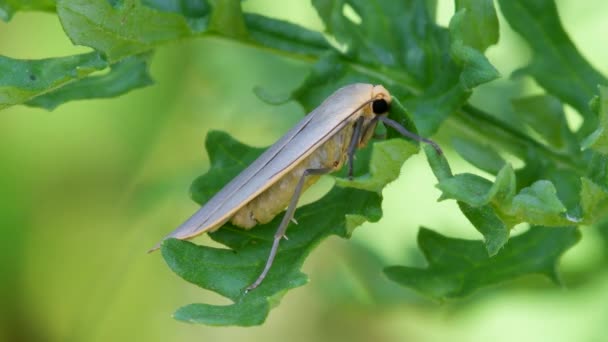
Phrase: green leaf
(383, 169)
(439, 164)
(594, 201)
(457, 268)
(539, 204)
(545, 115)
(597, 168)
(483, 217)
(8, 8)
(226, 164)
(477, 191)
(246, 313)
(466, 187)
(495, 232)
(473, 29)
(250, 28)
(413, 55)
(285, 36)
(568, 186)
(598, 140)
(368, 40)
(477, 69)
(536, 164)
(23, 80)
(556, 63)
(124, 76)
(478, 23)
(129, 27)
(188, 8)
(125, 29)
(229, 271)
(489, 219)
(227, 19)
(403, 117)
(504, 187)
(481, 156)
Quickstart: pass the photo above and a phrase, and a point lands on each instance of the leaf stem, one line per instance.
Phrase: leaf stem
(388, 75)
(494, 130)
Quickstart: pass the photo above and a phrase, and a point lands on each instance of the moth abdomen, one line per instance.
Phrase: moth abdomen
(264, 207)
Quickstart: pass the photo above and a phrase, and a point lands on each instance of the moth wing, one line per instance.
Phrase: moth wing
(338, 110)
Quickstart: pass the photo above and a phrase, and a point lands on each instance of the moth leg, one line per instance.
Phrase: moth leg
(372, 125)
(395, 125)
(285, 222)
(352, 147)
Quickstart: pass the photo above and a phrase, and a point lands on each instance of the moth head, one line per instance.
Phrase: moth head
(381, 100)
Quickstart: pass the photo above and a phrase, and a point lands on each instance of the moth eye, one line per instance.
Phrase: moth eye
(380, 106)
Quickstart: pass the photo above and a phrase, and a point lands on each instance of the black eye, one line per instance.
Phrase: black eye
(380, 106)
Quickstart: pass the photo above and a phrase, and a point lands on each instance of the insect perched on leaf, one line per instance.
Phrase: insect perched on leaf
(317, 145)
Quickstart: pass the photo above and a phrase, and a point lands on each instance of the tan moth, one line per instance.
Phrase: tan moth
(319, 144)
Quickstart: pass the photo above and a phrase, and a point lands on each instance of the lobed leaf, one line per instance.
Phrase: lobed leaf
(598, 139)
(466, 187)
(545, 115)
(481, 156)
(594, 201)
(285, 36)
(438, 163)
(473, 29)
(536, 204)
(495, 207)
(478, 23)
(23, 80)
(568, 186)
(556, 63)
(129, 74)
(228, 271)
(457, 267)
(495, 232)
(382, 169)
(123, 28)
(503, 190)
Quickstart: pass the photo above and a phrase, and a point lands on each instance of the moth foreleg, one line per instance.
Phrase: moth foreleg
(352, 146)
(396, 126)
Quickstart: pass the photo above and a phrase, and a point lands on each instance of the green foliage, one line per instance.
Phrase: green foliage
(24, 80)
(545, 115)
(458, 267)
(556, 65)
(119, 29)
(430, 70)
(598, 140)
(130, 73)
(484, 157)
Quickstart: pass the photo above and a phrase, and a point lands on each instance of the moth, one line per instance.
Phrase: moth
(320, 144)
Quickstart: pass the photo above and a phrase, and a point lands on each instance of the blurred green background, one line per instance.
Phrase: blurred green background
(88, 188)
